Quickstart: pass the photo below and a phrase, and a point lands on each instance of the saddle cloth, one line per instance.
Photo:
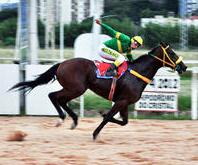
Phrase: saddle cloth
(103, 66)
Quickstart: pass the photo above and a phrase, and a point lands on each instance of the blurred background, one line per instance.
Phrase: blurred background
(34, 32)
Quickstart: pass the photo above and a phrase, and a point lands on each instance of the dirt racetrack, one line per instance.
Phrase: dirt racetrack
(141, 142)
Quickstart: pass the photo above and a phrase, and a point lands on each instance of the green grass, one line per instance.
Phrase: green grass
(165, 116)
(42, 54)
(185, 87)
(93, 101)
(184, 103)
(8, 53)
(69, 53)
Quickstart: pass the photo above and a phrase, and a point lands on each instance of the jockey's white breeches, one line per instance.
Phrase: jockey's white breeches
(111, 55)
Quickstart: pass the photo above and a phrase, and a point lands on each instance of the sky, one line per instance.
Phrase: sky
(8, 1)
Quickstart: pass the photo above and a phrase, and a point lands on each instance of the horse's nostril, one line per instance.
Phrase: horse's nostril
(185, 68)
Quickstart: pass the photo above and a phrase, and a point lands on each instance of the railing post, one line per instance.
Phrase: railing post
(194, 93)
(82, 106)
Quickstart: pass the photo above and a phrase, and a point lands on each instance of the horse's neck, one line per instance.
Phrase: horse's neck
(146, 65)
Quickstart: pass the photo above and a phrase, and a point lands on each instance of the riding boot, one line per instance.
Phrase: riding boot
(112, 70)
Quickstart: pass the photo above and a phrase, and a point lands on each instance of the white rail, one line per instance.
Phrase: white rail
(194, 94)
(191, 61)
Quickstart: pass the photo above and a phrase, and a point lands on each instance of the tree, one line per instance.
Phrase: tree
(8, 31)
(125, 26)
(135, 9)
(41, 34)
(195, 12)
(6, 14)
(147, 13)
(171, 5)
(154, 34)
(193, 33)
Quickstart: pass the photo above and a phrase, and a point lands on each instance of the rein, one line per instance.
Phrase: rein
(143, 78)
(165, 54)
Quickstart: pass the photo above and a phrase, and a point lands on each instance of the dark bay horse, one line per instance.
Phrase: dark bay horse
(78, 74)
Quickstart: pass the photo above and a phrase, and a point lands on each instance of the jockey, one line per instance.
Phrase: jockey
(113, 48)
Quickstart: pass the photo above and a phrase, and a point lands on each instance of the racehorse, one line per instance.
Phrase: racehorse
(78, 74)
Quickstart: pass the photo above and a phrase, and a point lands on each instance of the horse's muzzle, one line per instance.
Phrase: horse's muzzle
(181, 67)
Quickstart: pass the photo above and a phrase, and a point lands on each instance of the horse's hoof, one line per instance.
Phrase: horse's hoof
(95, 136)
(59, 123)
(73, 126)
(103, 114)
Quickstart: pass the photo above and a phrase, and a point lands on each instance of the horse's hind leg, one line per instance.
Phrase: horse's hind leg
(54, 96)
(65, 97)
(71, 114)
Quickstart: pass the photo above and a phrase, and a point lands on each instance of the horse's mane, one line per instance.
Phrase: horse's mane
(142, 57)
(153, 50)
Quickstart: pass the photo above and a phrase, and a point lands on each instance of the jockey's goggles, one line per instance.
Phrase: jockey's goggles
(137, 43)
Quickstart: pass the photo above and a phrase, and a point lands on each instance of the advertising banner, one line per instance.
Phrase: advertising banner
(161, 93)
(157, 102)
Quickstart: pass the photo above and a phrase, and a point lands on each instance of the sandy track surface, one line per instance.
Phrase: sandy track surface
(141, 142)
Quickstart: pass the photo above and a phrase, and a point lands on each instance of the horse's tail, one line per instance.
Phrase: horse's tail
(43, 78)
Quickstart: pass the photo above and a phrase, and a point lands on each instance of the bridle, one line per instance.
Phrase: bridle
(166, 55)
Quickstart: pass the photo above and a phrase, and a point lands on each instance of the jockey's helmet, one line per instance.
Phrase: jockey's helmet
(138, 39)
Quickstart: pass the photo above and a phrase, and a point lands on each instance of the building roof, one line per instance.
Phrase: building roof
(194, 17)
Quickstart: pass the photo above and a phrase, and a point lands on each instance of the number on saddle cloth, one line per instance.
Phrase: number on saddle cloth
(103, 66)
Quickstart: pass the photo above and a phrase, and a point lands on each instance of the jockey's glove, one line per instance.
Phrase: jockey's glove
(130, 57)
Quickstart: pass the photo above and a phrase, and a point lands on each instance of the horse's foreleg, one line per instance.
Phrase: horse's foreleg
(121, 105)
(106, 119)
(124, 116)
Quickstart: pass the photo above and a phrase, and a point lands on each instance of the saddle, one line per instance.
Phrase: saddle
(102, 68)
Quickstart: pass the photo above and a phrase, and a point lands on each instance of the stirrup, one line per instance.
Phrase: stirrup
(111, 73)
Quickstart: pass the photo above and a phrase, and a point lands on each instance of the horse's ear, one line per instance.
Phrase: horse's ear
(163, 44)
